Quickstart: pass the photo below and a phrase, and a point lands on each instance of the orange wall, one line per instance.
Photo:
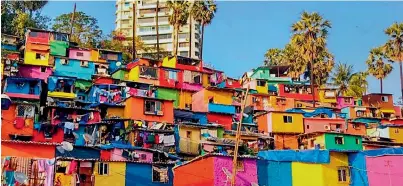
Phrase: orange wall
(285, 141)
(198, 173)
(262, 123)
(27, 150)
(115, 111)
(134, 109)
(360, 130)
(7, 127)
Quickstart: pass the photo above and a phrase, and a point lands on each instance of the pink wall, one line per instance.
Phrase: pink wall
(192, 87)
(198, 104)
(35, 72)
(243, 178)
(379, 168)
(342, 104)
(148, 158)
(86, 54)
(318, 124)
(116, 154)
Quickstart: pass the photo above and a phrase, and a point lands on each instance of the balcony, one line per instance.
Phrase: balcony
(189, 147)
(220, 108)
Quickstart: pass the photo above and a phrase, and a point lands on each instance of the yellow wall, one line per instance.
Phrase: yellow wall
(330, 172)
(397, 137)
(115, 111)
(61, 94)
(134, 74)
(30, 58)
(184, 98)
(307, 174)
(116, 176)
(63, 178)
(205, 81)
(169, 63)
(263, 89)
(279, 126)
(220, 97)
(94, 55)
(326, 100)
(195, 135)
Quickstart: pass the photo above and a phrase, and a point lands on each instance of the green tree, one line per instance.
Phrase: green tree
(341, 77)
(310, 34)
(203, 11)
(394, 47)
(86, 31)
(378, 65)
(296, 65)
(357, 85)
(178, 18)
(274, 56)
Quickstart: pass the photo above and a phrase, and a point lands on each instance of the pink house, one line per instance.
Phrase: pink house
(80, 54)
(30, 71)
(385, 170)
(344, 101)
(312, 125)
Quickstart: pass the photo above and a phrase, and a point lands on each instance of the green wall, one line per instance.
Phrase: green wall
(220, 132)
(349, 142)
(168, 94)
(120, 74)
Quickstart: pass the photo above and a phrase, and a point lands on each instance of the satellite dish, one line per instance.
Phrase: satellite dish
(20, 177)
(67, 146)
(118, 63)
(60, 149)
(5, 102)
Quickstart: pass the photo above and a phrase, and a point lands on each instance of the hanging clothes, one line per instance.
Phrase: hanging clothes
(49, 167)
(19, 123)
(72, 167)
(169, 140)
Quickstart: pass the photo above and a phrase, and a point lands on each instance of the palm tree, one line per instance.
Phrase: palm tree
(273, 57)
(341, 77)
(357, 85)
(296, 65)
(377, 65)
(203, 11)
(394, 47)
(310, 34)
(178, 18)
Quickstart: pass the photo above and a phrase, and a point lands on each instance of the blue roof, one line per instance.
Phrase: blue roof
(306, 156)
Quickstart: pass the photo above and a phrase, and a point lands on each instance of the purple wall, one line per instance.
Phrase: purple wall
(243, 178)
(35, 72)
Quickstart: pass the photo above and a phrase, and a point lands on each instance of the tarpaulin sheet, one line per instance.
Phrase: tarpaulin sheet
(83, 85)
(183, 114)
(306, 156)
(81, 153)
(367, 120)
(317, 112)
(357, 161)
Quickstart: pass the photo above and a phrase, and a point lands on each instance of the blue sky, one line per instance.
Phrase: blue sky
(242, 31)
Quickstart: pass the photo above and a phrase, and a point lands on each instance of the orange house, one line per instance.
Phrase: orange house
(15, 125)
(149, 109)
(28, 149)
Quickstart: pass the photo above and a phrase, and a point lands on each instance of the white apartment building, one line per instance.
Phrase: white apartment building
(145, 26)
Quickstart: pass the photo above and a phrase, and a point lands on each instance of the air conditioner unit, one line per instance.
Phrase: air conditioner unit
(327, 127)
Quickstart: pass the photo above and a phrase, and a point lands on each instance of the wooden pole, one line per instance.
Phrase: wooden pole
(134, 32)
(72, 19)
(237, 138)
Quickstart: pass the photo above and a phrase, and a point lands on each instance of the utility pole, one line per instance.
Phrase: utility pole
(158, 32)
(134, 31)
(72, 19)
(237, 138)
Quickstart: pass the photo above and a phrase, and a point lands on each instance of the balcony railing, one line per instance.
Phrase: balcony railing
(189, 147)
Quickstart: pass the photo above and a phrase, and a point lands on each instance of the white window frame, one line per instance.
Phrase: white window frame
(385, 99)
(287, 119)
(103, 168)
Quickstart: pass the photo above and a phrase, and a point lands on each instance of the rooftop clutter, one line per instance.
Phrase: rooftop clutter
(146, 115)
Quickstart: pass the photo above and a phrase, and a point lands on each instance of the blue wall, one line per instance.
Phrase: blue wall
(273, 173)
(8, 47)
(346, 110)
(202, 117)
(13, 88)
(140, 174)
(219, 108)
(73, 69)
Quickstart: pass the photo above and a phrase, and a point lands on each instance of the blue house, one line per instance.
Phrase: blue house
(74, 68)
(149, 174)
(61, 87)
(28, 88)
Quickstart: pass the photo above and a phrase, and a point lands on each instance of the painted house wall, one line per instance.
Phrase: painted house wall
(121, 74)
(8, 126)
(13, 89)
(349, 142)
(166, 81)
(223, 119)
(138, 174)
(296, 96)
(274, 173)
(134, 109)
(27, 150)
(245, 177)
(318, 124)
(57, 137)
(359, 129)
(134, 75)
(115, 111)
(324, 99)
(195, 134)
(285, 141)
(396, 133)
(378, 132)
(342, 102)
(197, 173)
(330, 170)
(35, 72)
(302, 177)
(30, 57)
(377, 165)
(74, 69)
(376, 100)
(277, 124)
(185, 97)
(73, 54)
(116, 176)
(169, 94)
(277, 105)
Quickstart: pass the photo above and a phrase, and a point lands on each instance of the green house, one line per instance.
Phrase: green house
(333, 141)
(120, 73)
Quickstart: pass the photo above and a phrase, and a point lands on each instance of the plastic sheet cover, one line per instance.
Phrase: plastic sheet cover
(317, 112)
(306, 156)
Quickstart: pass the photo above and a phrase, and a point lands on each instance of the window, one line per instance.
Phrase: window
(80, 54)
(27, 111)
(196, 53)
(385, 98)
(261, 83)
(126, 13)
(143, 157)
(125, 22)
(160, 174)
(355, 102)
(357, 141)
(197, 45)
(127, 4)
(103, 168)
(147, 20)
(347, 100)
(342, 174)
(196, 78)
(40, 56)
(359, 113)
(299, 104)
(183, 44)
(43, 69)
(287, 119)
(188, 134)
(239, 165)
(172, 75)
(153, 107)
(339, 140)
(148, 72)
(184, 53)
(84, 63)
(183, 36)
(330, 94)
(307, 126)
(338, 126)
(64, 61)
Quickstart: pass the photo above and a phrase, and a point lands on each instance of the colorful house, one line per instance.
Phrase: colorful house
(353, 112)
(32, 71)
(328, 95)
(81, 69)
(331, 141)
(19, 120)
(383, 102)
(390, 131)
(26, 88)
(282, 122)
(302, 168)
(333, 125)
(149, 109)
(216, 169)
(9, 42)
(298, 91)
(61, 87)
(345, 101)
(152, 174)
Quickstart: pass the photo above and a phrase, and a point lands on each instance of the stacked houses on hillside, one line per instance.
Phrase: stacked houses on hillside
(83, 116)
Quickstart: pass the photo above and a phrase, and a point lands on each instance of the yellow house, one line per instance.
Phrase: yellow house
(214, 95)
(282, 122)
(328, 95)
(396, 133)
(110, 173)
(144, 74)
(393, 132)
(185, 99)
(262, 86)
(335, 173)
(36, 58)
(190, 136)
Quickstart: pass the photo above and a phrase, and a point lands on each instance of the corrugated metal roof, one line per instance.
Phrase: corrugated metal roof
(30, 142)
